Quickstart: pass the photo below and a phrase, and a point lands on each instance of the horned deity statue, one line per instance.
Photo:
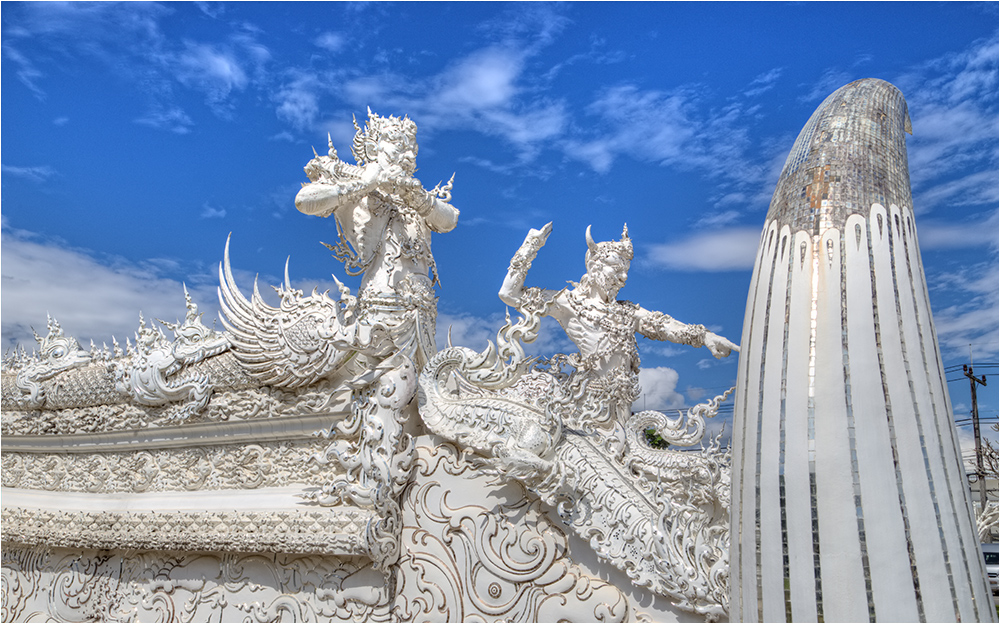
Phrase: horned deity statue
(563, 428)
(602, 328)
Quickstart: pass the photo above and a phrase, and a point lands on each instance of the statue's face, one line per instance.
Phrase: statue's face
(398, 149)
(609, 273)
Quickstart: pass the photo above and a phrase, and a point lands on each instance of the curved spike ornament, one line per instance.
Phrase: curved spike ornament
(303, 340)
(849, 499)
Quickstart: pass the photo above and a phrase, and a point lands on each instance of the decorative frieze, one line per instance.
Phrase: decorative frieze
(231, 466)
(331, 532)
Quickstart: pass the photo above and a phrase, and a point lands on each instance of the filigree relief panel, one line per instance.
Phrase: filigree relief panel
(475, 550)
(230, 466)
(118, 586)
(230, 406)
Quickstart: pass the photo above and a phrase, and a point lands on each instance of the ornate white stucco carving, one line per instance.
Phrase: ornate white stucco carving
(230, 466)
(480, 552)
(293, 435)
(659, 515)
(316, 531)
(119, 586)
(57, 353)
(148, 373)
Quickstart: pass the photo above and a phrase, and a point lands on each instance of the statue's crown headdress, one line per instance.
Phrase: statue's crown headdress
(366, 140)
(603, 250)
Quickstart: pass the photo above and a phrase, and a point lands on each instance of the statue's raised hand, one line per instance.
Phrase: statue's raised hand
(537, 238)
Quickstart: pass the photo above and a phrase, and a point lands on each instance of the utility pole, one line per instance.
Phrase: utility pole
(980, 470)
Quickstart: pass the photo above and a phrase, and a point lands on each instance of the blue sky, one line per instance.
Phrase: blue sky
(136, 137)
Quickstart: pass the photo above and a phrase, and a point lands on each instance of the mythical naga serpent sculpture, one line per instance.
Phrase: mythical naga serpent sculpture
(149, 373)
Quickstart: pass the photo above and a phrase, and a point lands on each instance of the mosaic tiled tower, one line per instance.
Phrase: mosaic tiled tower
(849, 496)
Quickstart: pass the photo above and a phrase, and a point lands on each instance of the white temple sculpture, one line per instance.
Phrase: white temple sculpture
(320, 461)
(849, 496)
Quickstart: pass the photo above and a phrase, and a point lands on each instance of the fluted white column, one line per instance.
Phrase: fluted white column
(849, 497)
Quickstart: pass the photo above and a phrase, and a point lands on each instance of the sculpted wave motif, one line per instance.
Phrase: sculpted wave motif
(504, 561)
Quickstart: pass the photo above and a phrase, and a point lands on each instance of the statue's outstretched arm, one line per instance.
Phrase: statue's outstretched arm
(513, 285)
(660, 326)
(323, 196)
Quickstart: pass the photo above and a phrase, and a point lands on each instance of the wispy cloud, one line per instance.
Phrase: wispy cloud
(481, 91)
(331, 42)
(35, 174)
(728, 249)
(211, 212)
(210, 69)
(298, 101)
(105, 30)
(972, 321)
(128, 40)
(953, 105)
(172, 119)
(979, 231)
(763, 83)
(976, 189)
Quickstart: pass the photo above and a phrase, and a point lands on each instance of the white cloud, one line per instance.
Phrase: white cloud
(26, 71)
(485, 79)
(331, 42)
(105, 30)
(676, 129)
(651, 125)
(972, 318)
(215, 71)
(467, 330)
(974, 189)
(210, 212)
(479, 92)
(172, 119)
(659, 389)
(35, 174)
(763, 83)
(731, 249)
(953, 105)
(721, 218)
(90, 299)
(298, 101)
(977, 232)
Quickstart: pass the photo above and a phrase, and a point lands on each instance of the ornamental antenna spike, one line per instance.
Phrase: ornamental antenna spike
(590, 240)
